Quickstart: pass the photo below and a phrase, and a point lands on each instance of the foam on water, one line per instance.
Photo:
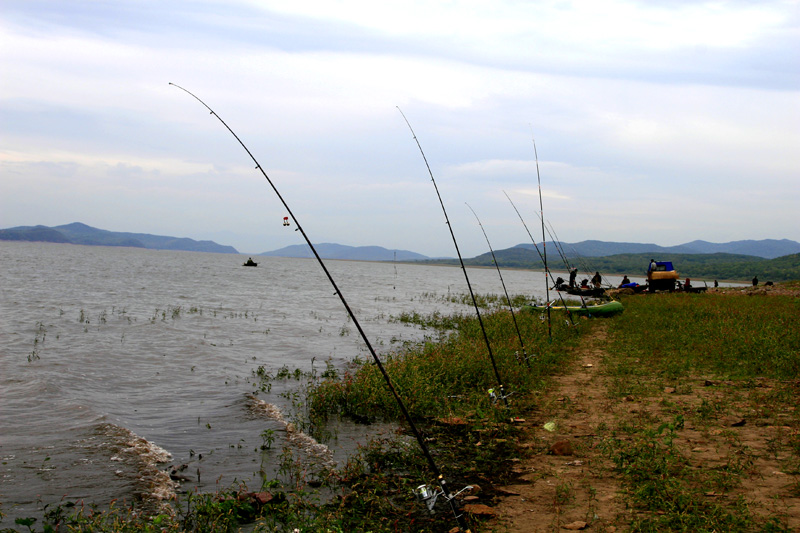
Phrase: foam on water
(153, 485)
(306, 443)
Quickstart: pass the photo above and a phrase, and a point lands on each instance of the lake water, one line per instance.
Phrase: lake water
(116, 363)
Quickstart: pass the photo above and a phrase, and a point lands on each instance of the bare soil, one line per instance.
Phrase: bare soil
(568, 482)
(579, 486)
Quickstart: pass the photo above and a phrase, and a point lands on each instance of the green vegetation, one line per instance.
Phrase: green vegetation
(729, 366)
(731, 337)
(719, 266)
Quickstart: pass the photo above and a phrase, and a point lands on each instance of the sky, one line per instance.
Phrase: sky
(653, 121)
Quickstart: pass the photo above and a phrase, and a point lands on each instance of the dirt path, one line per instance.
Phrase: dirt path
(568, 482)
(736, 444)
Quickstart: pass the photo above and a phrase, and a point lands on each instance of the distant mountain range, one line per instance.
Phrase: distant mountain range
(78, 233)
(766, 248)
(353, 253)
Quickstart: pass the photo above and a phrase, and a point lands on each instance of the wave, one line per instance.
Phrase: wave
(304, 442)
(152, 485)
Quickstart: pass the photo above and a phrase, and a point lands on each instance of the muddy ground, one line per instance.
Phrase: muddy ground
(569, 481)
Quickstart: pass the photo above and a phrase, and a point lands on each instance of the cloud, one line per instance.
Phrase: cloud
(683, 112)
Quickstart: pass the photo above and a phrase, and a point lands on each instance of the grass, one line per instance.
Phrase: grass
(450, 377)
(729, 361)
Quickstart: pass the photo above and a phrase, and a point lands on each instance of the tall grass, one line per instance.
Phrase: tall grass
(450, 377)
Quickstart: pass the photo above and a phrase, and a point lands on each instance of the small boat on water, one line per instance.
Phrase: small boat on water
(250, 263)
(604, 309)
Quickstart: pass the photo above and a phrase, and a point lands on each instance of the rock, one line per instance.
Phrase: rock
(452, 421)
(562, 447)
(479, 509)
(669, 390)
(576, 525)
(262, 498)
(174, 475)
(733, 421)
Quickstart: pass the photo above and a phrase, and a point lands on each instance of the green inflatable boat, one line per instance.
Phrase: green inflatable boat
(604, 309)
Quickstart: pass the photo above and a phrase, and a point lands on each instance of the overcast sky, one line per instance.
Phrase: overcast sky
(654, 121)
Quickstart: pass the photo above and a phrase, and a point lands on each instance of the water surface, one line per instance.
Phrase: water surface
(117, 363)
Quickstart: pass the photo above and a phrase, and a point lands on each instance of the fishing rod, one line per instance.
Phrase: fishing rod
(423, 492)
(508, 299)
(547, 304)
(555, 241)
(584, 265)
(544, 240)
(578, 256)
(503, 396)
(554, 238)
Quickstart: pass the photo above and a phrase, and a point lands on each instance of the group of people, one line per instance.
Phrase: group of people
(596, 280)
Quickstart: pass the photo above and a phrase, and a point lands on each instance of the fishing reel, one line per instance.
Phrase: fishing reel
(428, 496)
(525, 356)
(495, 397)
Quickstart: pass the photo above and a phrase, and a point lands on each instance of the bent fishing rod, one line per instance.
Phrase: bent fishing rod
(559, 248)
(508, 298)
(554, 240)
(428, 497)
(544, 240)
(547, 272)
(503, 396)
(554, 237)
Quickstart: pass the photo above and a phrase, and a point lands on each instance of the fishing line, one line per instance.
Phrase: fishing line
(554, 240)
(547, 304)
(503, 396)
(430, 498)
(508, 299)
(587, 268)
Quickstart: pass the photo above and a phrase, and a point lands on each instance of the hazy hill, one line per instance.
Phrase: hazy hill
(78, 233)
(720, 266)
(766, 248)
(340, 251)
